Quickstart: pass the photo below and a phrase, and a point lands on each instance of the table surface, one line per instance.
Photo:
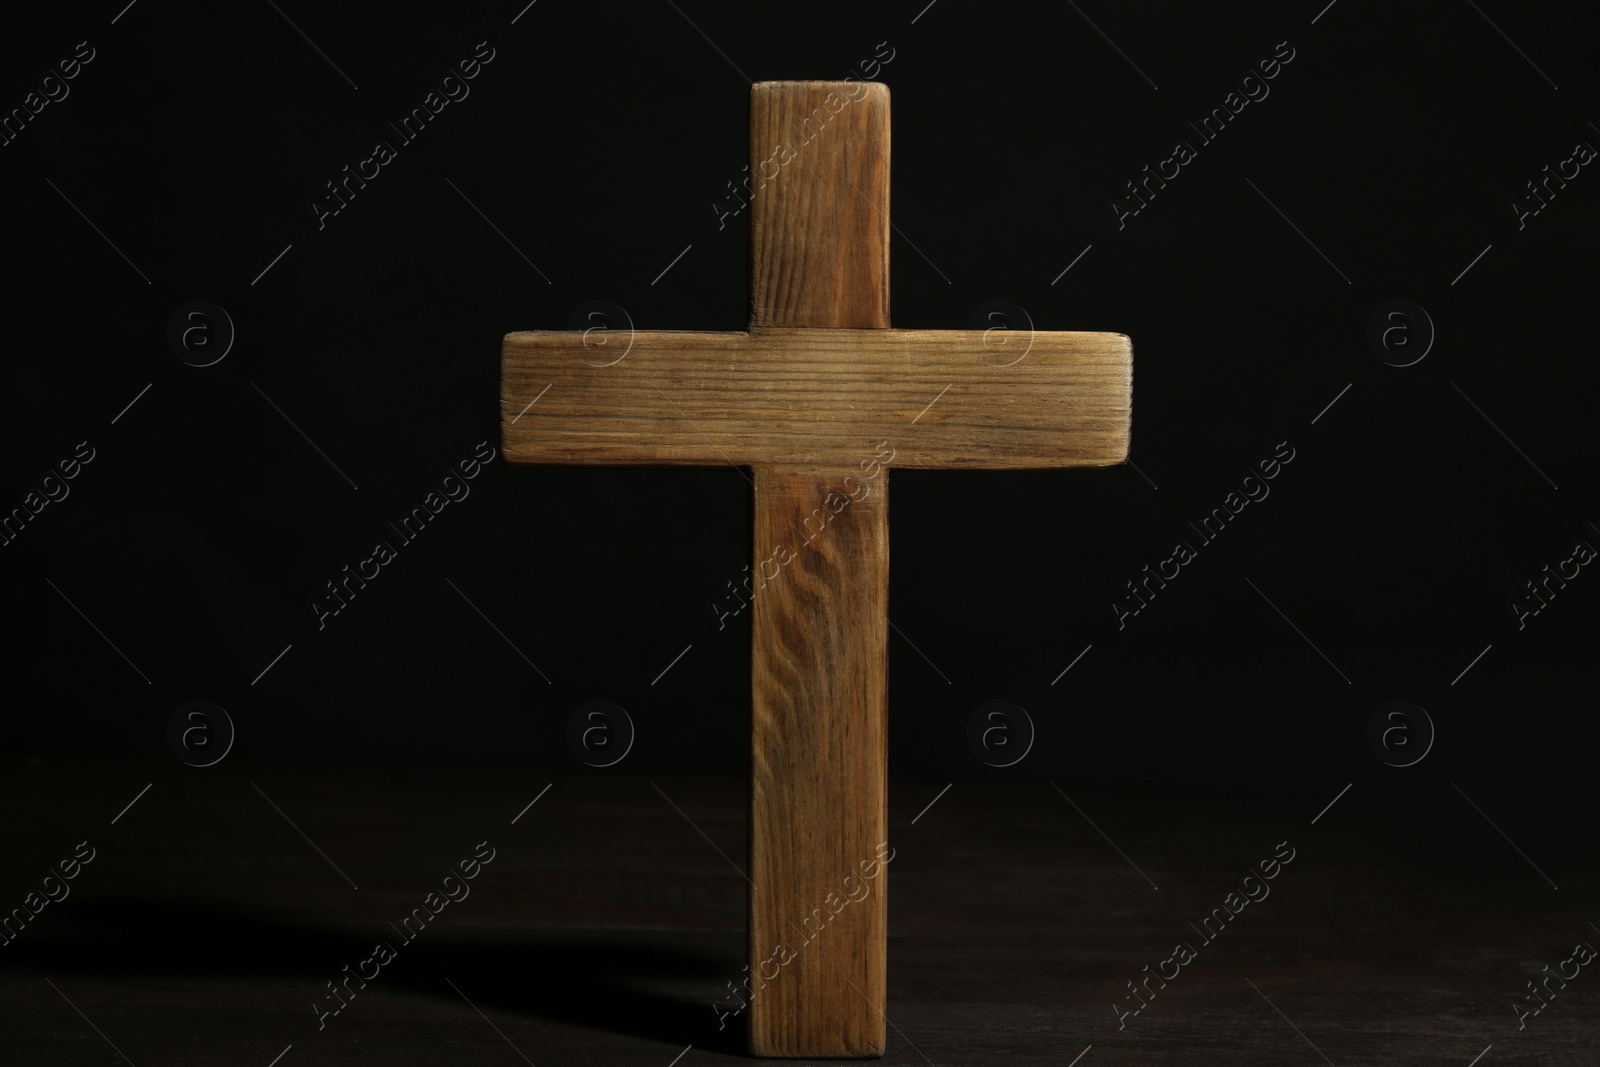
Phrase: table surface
(219, 904)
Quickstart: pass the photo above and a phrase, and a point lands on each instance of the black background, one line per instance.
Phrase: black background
(597, 141)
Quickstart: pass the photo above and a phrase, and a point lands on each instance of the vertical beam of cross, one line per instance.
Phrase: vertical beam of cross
(819, 234)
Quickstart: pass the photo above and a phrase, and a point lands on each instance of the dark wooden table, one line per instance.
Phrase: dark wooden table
(206, 926)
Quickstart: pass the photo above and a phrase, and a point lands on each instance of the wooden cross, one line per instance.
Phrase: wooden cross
(806, 397)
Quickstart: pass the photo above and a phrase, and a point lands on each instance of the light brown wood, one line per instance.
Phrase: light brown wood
(819, 215)
(817, 397)
(819, 241)
(818, 924)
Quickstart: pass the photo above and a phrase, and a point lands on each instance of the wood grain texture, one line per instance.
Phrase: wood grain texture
(819, 238)
(818, 923)
(820, 397)
(813, 392)
(819, 217)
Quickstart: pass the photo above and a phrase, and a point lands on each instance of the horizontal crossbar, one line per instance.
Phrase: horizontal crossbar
(817, 398)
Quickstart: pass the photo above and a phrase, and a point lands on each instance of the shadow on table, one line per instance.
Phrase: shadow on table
(584, 978)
